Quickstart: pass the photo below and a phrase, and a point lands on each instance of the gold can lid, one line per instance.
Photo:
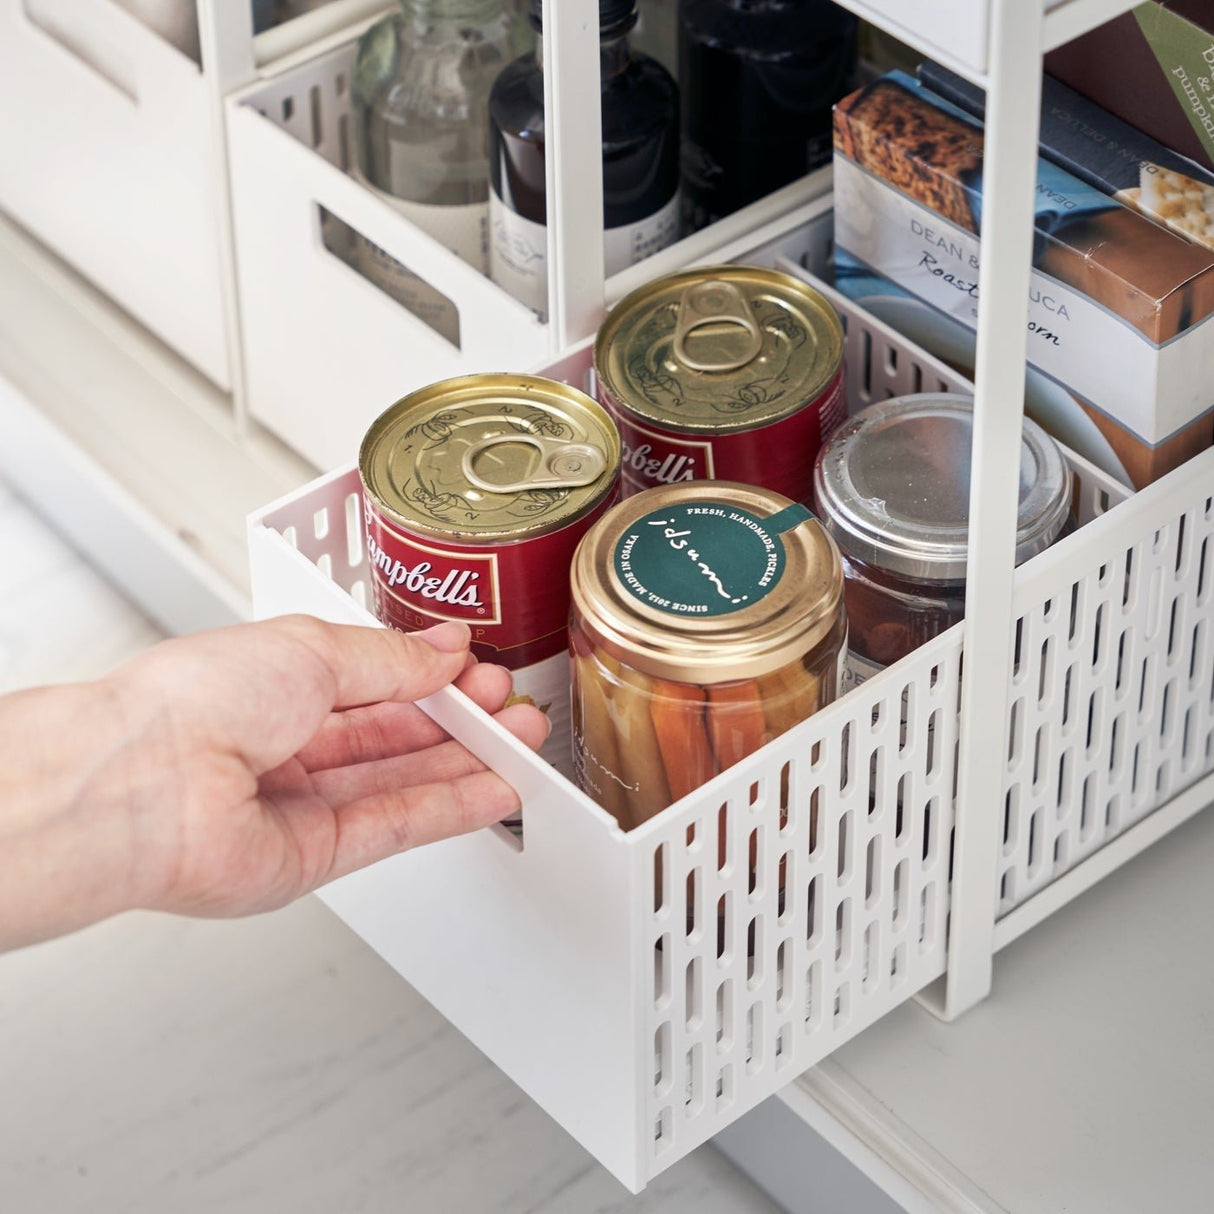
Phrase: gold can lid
(707, 581)
(722, 348)
(485, 458)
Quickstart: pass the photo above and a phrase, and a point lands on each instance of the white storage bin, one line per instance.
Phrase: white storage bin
(111, 154)
(326, 350)
(618, 1007)
(108, 155)
(957, 32)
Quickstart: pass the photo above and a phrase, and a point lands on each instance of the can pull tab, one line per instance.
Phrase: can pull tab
(561, 465)
(711, 303)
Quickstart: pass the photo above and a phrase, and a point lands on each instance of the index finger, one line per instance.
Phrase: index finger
(261, 691)
(370, 665)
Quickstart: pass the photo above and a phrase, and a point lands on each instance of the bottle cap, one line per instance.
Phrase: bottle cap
(892, 486)
(707, 581)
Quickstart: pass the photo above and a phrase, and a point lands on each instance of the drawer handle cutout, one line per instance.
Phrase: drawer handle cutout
(67, 23)
(399, 283)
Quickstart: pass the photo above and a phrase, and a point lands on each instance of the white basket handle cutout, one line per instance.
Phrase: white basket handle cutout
(87, 32)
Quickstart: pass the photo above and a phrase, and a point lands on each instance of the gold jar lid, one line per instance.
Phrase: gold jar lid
(707, 581)
(722, 348)
(486, 458)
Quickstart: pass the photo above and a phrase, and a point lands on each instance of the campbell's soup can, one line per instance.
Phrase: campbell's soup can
(476, 492)
(722, 373)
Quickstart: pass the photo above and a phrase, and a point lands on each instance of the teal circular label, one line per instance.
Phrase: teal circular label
(702, 558)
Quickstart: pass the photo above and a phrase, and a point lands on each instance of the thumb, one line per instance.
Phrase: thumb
(348, 666)
(369, 665)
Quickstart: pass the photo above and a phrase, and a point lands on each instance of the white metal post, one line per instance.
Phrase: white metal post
(1009, 187)
(225, 36)
(573, 129)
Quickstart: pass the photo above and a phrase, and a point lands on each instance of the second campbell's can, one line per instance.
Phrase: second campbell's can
(476, 492)
(728, 372)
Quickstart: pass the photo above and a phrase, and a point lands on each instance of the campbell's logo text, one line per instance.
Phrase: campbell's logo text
(653, 459)
(439, 585)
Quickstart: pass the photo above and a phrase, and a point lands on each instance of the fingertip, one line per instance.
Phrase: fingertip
(451, 636)
(488, 685)
(528, 723)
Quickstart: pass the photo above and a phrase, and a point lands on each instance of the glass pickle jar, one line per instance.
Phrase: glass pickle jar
(707, 619)
(892, 487)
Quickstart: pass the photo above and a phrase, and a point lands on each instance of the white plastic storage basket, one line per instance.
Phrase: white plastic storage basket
(111, 152)
(588, 963)
(108, 155)
(326, 350)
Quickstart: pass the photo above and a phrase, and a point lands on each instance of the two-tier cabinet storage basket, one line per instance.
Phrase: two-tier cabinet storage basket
(649, 987)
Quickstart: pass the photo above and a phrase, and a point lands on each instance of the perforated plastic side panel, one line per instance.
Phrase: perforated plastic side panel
(1111, 697)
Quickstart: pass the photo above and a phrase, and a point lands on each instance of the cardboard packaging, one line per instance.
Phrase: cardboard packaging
(1107, 153)
(1154, 68)
(1119, 307)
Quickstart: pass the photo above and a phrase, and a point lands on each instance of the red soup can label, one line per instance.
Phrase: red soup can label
(476, 492)
(729, 373)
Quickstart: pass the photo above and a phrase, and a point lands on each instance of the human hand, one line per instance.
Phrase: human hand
(230, 772)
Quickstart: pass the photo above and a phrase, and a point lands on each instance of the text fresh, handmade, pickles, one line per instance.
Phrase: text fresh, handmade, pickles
(707, 620)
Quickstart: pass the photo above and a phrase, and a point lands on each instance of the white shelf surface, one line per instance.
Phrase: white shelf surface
(1081, 1085)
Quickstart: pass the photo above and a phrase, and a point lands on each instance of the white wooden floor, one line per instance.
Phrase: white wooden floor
(154, 1065)
(59, 620)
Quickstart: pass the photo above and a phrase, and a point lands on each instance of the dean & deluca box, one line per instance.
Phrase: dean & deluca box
(1107, 153)
(1119, 308)
(1152, 67)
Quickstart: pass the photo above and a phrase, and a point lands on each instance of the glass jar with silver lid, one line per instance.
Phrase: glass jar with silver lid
(892, 487)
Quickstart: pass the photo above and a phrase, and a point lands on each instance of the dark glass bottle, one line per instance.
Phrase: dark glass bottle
(640, 107)
(759, 78)
(420, 89)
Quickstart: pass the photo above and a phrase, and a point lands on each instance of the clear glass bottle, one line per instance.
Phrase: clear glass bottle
(640, 107)
(759, 78)
(420, 90)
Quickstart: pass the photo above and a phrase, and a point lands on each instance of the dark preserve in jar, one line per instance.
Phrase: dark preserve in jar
(640, 108)
(759, 78)
(892, 487)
